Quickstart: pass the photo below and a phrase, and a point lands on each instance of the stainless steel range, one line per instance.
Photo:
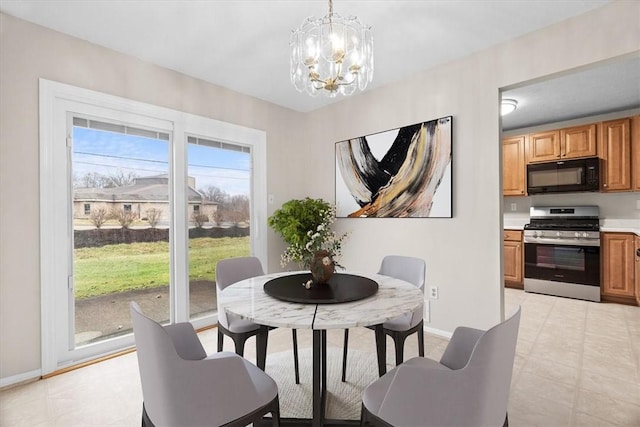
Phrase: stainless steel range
(562, 251)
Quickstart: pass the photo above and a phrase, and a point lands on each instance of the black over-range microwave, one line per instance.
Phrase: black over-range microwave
(564, 176)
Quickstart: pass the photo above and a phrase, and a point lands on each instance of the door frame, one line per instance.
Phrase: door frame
(57, 101)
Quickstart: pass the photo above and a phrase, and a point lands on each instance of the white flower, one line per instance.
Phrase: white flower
(320, 227)
(326, 261)
(308, 284)
(315, 236)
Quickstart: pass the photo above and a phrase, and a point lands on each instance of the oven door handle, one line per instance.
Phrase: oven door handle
(562, 242)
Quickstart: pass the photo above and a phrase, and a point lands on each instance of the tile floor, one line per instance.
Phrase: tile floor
(577, 364)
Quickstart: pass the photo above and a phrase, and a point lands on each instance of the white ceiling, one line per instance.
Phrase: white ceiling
(243, 45)
(596, 89)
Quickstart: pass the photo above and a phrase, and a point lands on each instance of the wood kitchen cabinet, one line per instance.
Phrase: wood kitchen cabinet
(635, 153)
(543, 146)
(615, 152)
(578, 141)
(567, 143)
(637, 261)
(513, 259)
(513, 166)
(618, 267)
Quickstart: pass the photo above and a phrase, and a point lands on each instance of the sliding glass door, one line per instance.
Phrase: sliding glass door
(137, 203)
(121, 220)
(219, 213)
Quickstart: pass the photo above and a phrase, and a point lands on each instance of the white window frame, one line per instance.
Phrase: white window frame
(57, 102)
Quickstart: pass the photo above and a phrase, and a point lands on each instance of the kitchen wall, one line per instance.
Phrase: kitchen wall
(463, 254)
(615, 206)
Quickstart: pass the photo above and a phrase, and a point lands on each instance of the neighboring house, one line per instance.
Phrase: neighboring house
(145, 193)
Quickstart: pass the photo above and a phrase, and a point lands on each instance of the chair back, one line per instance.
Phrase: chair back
(230, 271)
(409, 269)
(489, 370)
(156, 358)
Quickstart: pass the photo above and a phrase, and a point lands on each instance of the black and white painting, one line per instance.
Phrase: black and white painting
(400, 173)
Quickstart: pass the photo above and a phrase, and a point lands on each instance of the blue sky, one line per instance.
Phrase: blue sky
(106, 152)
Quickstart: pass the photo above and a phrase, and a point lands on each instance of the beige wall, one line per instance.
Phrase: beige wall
(463, 254)
(29, 52)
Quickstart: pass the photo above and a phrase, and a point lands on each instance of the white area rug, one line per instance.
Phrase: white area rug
(343, 399)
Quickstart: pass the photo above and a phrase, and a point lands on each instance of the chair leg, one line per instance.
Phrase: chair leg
(261, 348)
(275, 413)
(506, 420)
(421, 340)
(296, 368)
(238, 344)
(345, 348)
(381, 349)
(146, 422)
(363, 416)
(220, 340)
(398, 340)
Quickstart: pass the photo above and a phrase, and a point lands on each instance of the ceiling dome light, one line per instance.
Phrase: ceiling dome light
(508, 106)
(331, 55)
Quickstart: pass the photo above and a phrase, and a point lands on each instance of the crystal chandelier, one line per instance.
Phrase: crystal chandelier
(331, 55)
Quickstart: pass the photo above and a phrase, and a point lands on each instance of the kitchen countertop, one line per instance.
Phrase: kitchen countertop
(606, 225)
(515, 223)
(620, 225)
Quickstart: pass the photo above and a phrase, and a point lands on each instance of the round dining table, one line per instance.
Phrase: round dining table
(393, 298)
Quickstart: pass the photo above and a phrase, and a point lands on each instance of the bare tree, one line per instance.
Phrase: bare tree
(98, 180)
(120, 179)
(218, 216)
(90, 180)
(239, 208)
(98, 217)
(199, 218)
(215, 213)
(124, 218)
(153, 216)
(214, 194)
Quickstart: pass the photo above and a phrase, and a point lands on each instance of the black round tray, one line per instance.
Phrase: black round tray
(340, 288)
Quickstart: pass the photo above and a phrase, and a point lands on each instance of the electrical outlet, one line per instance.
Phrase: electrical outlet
(270, 199)
(427, 312)
(514, 207)
(433, 292)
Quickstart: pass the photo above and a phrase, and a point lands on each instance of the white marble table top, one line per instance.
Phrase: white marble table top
(248, 300)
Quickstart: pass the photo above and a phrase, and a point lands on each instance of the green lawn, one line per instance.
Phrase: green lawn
(116, 268)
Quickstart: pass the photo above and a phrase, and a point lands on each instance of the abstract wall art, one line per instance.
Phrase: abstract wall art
(400, 173)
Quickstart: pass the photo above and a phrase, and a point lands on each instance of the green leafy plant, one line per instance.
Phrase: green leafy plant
(306, 226)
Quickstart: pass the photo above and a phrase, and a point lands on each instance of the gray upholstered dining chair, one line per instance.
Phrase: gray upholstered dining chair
(228, 272)
(412, 270)
(468, 387)
(182, 386)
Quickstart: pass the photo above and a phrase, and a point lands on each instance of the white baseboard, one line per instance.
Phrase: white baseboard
(438, 332)
(20, 378)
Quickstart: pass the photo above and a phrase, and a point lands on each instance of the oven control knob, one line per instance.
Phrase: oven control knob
(584, 234)
(558, 233)
(577, 234)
